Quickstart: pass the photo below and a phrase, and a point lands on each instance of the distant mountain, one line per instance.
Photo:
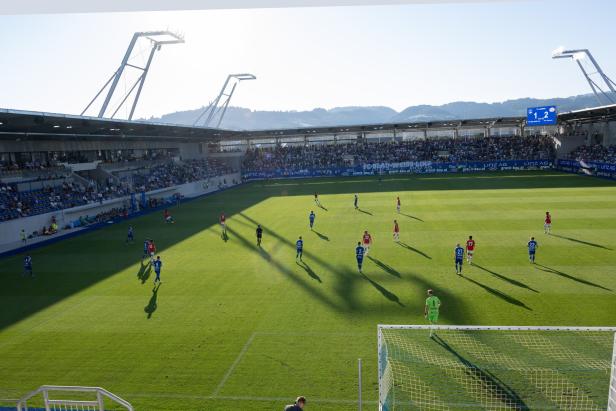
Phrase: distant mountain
(237, 118)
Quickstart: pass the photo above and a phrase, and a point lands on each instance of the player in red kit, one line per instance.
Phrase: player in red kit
(396, 231)
(470, 248)
(547, 226)
(151, 250)
(367, 242)
(223, 223)
(167, 217)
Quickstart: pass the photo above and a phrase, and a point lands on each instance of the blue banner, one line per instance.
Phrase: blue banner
(594, 168)
(413, 167)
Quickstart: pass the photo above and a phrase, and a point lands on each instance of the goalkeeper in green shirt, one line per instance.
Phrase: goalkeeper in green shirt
(431, 309)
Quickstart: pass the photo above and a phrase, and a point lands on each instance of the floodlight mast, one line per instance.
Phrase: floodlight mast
(213, 109)
(168, 37)
(580, 54)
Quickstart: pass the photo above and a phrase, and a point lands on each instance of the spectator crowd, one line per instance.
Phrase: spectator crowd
(63, 193)
(595, 152)
(435, 150)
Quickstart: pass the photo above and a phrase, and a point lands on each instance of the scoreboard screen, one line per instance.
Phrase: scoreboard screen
(541, 116)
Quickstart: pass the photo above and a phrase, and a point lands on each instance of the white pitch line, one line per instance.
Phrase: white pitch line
(242, 398)
(317, 400)
(235, 363)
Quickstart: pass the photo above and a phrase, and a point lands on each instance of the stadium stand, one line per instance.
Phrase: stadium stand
(59, 192)
(595, 152)
(435, 150)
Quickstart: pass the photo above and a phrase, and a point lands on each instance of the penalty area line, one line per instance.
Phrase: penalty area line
(232, 367)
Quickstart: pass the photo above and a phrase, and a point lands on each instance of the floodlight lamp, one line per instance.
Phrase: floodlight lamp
(558, 51)
(244, 76)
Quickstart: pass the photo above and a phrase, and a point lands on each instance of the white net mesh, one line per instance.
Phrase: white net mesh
(500, 368)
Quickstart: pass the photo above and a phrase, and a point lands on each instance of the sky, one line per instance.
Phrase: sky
(304, 58)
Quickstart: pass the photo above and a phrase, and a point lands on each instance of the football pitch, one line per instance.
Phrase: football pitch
(233, 326)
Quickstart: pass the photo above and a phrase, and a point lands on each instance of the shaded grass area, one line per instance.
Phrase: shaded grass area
(92, 316)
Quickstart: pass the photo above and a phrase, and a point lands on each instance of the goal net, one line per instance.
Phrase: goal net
(496, 368)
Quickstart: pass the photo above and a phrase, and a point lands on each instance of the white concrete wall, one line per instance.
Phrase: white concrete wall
(9, 230)
(566, 144)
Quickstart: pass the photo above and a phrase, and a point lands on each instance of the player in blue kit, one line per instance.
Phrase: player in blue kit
(359, 255)
(459, 255)
(158, 264)
(28, 266)
(311, 217)
(130, 236)
(532, 248)
(299, 246)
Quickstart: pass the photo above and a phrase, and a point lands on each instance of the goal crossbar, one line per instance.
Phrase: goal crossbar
(74, 404)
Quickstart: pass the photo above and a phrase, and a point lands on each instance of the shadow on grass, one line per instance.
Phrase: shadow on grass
(575, 240)
(321, 236)
(304, 265)
(144, 271)
(364, 211)
(408, 247)
(412, 216)
(386, 293)
(72, 265)
(385, 267)
(569, 276)
(498, 390)
(505, 278)
(503, 296)
(322, 207)
(153, 303)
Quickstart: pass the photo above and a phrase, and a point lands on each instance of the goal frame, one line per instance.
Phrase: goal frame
(381, 366)
(97, 404)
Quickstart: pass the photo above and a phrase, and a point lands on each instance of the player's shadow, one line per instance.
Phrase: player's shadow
(386, 293)
(503, 296)
(575, 240)
(322, 207)
(569, 276)
(498, 389)
(321, 236)
(413, 249)
(225, 236)
(153, 303)
(309, 270)
(385, 267)
(505, 278)
(364, 211)
(412, 216)
(144, 272)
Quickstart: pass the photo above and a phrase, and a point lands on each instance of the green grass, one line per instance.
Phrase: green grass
(234, 327)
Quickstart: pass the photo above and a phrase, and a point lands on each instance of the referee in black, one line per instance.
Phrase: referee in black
(259, 234)
(299, 405)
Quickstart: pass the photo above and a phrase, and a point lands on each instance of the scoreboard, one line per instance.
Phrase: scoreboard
(541, 116)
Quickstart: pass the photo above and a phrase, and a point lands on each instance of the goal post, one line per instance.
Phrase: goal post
(422, 367)
(72, 398)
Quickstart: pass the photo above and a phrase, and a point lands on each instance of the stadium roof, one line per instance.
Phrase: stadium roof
(16, 124)
(43, 126)
(589, 115)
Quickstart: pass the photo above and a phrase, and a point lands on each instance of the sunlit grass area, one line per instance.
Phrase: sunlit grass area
(234, 326)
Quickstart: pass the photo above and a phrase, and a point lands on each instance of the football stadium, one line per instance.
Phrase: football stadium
(461, 263)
